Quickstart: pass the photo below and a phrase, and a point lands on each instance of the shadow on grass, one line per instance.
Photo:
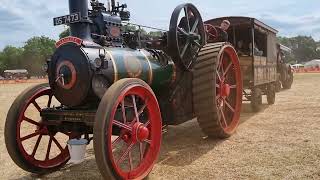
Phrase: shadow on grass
(182, 145)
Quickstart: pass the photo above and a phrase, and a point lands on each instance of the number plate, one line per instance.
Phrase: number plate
(67, 19)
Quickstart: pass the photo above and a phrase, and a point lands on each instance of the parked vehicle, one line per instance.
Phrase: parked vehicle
(16, 74)
(285, 70)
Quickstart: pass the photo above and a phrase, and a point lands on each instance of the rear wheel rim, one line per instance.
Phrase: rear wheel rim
(228, 89)
(211, 32)
(135, 132)
(40, 133)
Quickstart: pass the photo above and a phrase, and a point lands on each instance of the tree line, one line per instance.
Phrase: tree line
(33, 54)
(304, 48)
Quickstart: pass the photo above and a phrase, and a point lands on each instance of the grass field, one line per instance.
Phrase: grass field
(280, 142)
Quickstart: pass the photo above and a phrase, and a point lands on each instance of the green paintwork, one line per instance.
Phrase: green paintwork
(132, 63)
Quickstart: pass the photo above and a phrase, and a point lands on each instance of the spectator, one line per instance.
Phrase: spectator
(222, 31)
(256, 51)
(241, 48)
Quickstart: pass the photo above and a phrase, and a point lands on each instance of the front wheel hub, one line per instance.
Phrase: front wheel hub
(225, 90)
(140, 132)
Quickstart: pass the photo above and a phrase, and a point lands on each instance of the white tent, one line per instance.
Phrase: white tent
(298, 66)
(313, 63)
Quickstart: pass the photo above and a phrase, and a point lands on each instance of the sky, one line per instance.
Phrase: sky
(23, 19)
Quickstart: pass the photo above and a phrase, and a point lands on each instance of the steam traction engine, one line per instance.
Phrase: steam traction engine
(102, 81)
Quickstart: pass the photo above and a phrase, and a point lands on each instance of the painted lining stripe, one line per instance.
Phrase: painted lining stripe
(116, 78)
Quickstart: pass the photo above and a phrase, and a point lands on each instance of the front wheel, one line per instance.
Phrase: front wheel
(32, 144)
(127, 130)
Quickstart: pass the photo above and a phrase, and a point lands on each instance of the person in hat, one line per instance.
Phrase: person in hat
(222, 35)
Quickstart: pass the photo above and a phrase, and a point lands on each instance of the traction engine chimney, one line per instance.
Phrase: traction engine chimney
(80, 29)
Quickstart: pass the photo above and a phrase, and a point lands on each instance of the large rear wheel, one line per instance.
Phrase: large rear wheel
(217, 90)
(32, 144)
(127, 130)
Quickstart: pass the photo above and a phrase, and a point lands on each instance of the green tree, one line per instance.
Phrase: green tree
(133, 28)
(64, 33)
(36, 51)
(2, 63)
(304, 48)
(155, 33)
(11, 58)
(129, 28)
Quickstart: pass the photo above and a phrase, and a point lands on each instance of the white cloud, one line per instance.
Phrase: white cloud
(290, 17)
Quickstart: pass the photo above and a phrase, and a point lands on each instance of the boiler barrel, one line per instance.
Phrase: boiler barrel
(129, 63)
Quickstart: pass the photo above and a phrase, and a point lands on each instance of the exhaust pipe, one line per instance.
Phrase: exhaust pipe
(80, 29)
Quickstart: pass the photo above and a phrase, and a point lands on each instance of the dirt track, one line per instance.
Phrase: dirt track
(281, 142)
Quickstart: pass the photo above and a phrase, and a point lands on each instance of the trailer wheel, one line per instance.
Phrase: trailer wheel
(217, 90)
(278, 83)
(278, 86)
(271, 94)
(127, 130)
(256, 99)
(32, 144)
(288, 83)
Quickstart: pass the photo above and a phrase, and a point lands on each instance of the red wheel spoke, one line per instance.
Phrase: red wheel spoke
(125, 154)
(49, 148)
(123, 112)
(147, 141)
(135, 108)
(223, 117)
(147, 123)
(36, 105)
(124, 126)
(143, 107)
(49, 101)
(36, 146)
(212, 35)
(116, 141)
(219, 78)
(220, 61)
(130, 161)
(57, 143)
(222, 71)
(227, 69)
(218, 97)
(31, 121)
(141, 152)
(30, 136)
(229, 106)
